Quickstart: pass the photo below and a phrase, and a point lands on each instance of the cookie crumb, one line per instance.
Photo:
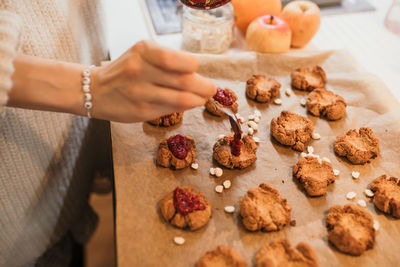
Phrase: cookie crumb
(283, 181)
(336, 172)
(194, 166)
(253, 125)
(369, 193)
(293, 223)
(179, 240)
(227, 184)
(219, 188)
(212, 171)
(256, 119)
(315, 136)
(376, 225)
(362, 203)
(310, 149)
(256, 139)
(278, 101)
(257, 113)
(303, 102)
(288, 92)
(250, 131)
(351, 195)
(355, 175)
(218, 172)
(229, 209)
(251, 117)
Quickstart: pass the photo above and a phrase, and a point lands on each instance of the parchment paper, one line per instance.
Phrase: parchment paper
(145, 239)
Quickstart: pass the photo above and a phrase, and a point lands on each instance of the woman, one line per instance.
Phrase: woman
(47, 152)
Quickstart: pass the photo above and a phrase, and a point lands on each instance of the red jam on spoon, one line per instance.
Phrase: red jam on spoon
(236, 144)
(178, 146)
(186, 202)
(223, 97)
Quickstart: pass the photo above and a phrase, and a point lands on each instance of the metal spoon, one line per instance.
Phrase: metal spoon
(232, 118)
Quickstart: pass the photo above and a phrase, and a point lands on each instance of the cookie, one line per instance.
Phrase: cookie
(221, 257)
(223, 98)
(308, 79)
(263, 208)
(315, 176)
(358, 147)
(224, 155)
(184, 208)
(177, 152)
(262, 89)
(168, 120)
(291, 129)
(387, 195)
(324, 103)
(350, 229)
(279, 253)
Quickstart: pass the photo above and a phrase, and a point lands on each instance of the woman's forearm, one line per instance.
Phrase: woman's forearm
(49, 85)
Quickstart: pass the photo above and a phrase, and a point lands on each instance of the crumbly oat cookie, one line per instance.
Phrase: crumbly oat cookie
(168, 120)
(210, 107)
(193, 220)
(315, 176)
(324, 103)
(221, 257)
(223, 155)
(359, 147)
(291, 129)
(350, 229)
(262, 89)
(264, 208)
(308, 79)
(387, 195)
(166, 159)
(279, 253)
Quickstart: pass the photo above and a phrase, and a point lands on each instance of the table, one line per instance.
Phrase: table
(363, 34)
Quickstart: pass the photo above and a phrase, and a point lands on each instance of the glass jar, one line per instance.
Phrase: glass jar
(207, 31)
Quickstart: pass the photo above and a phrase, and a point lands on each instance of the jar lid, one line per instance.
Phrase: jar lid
(204, 4)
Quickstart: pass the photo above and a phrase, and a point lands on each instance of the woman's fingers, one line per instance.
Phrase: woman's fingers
(166, 58)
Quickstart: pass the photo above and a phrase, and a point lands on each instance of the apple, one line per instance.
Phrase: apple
(304, 19)
(268, 34)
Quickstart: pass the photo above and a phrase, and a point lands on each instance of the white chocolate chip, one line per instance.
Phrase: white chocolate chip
(212, 171)
(218, 172)
(229, 209)
(316, 136)
(194, 166)
(361, 203)
(288, 92)
(303, 101)
(219, 188)
(257, 113)
(369, 193)
(253, 125)
(227, 184)
(303, 154)
(351, 195)
(278, 101)
(256, 139)
(336, 172)
(250, 131)
(376, 225)
(179, 240)
(310, 149)
(326, 159)
(221, 136)
(355, 175)
(256, 119)
(251, 117)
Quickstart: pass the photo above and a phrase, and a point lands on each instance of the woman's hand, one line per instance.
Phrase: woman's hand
(146, 82)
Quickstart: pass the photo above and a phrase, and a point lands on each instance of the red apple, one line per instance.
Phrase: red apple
(268, 34)
(303, 18)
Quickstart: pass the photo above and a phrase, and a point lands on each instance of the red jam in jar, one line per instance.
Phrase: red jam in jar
(236, 144)
(186, 202)
(178, 146)
(223, 97)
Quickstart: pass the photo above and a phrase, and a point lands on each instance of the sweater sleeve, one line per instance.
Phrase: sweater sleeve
(10, 32)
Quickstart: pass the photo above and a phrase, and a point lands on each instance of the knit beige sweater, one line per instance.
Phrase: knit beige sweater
(45, 158)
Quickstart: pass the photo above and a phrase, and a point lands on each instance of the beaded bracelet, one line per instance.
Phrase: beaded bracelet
(86, 90)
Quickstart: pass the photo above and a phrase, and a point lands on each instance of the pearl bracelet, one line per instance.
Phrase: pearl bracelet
(87, 97)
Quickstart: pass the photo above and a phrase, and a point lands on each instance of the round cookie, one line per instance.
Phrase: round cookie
(279, 253)
(308, 79)
(223, 98)
(358, 147)
(262, 89)
(387, 195)
(221, 257)
(222, 152)
(315, 176)
(184, 208)
(263, 208)
(177, 152)
(291, 129)
(350, 229)
(168, 120)
(324, 103)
